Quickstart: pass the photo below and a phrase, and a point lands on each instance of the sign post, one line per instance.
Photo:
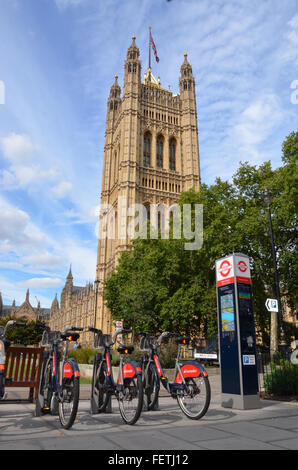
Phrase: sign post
(236, 332)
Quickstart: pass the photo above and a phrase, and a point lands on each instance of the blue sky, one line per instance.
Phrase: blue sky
(58, 61)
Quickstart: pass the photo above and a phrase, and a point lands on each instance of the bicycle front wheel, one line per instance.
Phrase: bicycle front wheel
(195, 402)
(131, 399)
(99, 388)
(2, 386)
(69, 401)
(45, 392)
(151, 386)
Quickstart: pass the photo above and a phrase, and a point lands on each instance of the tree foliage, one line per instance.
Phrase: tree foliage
(22, 335)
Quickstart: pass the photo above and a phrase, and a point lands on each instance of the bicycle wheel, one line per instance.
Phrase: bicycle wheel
(99, 389)
(69, 401)
(131, 399)
(2, 386)
(151, 386)
(43, 402)
(195, 403)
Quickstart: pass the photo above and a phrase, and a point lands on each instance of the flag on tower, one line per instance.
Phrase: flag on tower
(154, 48)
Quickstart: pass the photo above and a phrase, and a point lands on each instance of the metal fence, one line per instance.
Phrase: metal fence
(276, 372)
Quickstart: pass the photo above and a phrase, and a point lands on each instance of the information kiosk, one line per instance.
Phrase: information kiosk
(236, 332)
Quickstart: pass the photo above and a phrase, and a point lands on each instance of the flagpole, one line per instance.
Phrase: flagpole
(149, 48)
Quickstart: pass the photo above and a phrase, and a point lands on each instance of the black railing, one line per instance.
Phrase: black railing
(277, 374)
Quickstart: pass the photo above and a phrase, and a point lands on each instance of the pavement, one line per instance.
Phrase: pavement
(272, 427)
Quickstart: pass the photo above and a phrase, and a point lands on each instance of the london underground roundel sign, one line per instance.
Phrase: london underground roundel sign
(242, 266)
(233, 267)
(225, 268)
(225, 271)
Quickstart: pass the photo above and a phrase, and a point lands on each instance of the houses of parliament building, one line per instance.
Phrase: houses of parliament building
(151, 155)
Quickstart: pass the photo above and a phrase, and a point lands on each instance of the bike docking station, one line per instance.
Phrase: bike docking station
(236, 332)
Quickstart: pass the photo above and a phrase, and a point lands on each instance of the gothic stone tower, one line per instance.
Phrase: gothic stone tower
(151, 154)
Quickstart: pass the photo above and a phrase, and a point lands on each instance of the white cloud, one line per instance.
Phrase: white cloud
(256, 123)
(43, 261)
(62, 4)
(62, 189)
(23, 170)
(18, 148)
(41, 282)
(10, 265)
(17, 232)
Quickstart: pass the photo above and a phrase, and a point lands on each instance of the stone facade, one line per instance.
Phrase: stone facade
(77, 308)
(25, 310)
(151, 153)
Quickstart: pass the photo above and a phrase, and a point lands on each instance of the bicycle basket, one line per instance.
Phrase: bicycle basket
(97, 342)
(48, 338)
(107, 340)
(145, 344)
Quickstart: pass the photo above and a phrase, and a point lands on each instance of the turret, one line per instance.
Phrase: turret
(132, 66)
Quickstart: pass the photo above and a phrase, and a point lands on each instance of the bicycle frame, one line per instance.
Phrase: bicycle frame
(60, 369)
(126, 369)
(181, 371)
(4, 343)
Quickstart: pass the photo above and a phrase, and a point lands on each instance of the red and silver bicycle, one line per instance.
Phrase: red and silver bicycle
(191, 385)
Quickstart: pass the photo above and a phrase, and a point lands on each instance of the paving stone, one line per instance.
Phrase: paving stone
(256, 431)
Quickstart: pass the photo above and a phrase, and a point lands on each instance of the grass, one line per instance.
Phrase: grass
(85, 381)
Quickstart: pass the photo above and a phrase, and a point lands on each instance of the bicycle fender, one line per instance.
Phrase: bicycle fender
(2, 356)
(190, 369)
(71, 369)
(131, 369)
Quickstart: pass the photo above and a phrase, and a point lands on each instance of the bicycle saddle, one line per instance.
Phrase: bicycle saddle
(125, 349)
(182, 340)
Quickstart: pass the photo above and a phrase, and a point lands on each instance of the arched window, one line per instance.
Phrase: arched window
(172, 154)
(147, 149)
(159, 151)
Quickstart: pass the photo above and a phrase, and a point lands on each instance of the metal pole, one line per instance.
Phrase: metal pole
(150, 53)
(276, 276)
(96, 282)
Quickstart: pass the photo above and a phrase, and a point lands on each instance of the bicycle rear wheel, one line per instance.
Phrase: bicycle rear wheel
(151, 386)
(45, 393)
(195, 403)
(131, 399)
(2, 386)
(69, 401)
(99, 388)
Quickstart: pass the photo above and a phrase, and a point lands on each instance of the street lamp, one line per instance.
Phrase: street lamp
(267, 198)
(96, 282)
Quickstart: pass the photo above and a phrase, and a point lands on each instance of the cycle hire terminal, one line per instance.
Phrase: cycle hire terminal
(236, 332)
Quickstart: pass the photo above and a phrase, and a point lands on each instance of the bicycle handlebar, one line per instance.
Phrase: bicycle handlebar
(164, 335)
(12, 323)
(72, 328)
(119, 332)
(94, 330)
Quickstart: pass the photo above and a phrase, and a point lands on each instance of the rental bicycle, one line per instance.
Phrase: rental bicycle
(128, 388)
(59, 383)
(4, 344)
(191, 385)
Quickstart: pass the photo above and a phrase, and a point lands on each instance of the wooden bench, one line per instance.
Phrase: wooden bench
(23, 366)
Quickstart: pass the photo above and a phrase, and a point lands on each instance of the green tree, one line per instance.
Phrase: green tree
(23, 335)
